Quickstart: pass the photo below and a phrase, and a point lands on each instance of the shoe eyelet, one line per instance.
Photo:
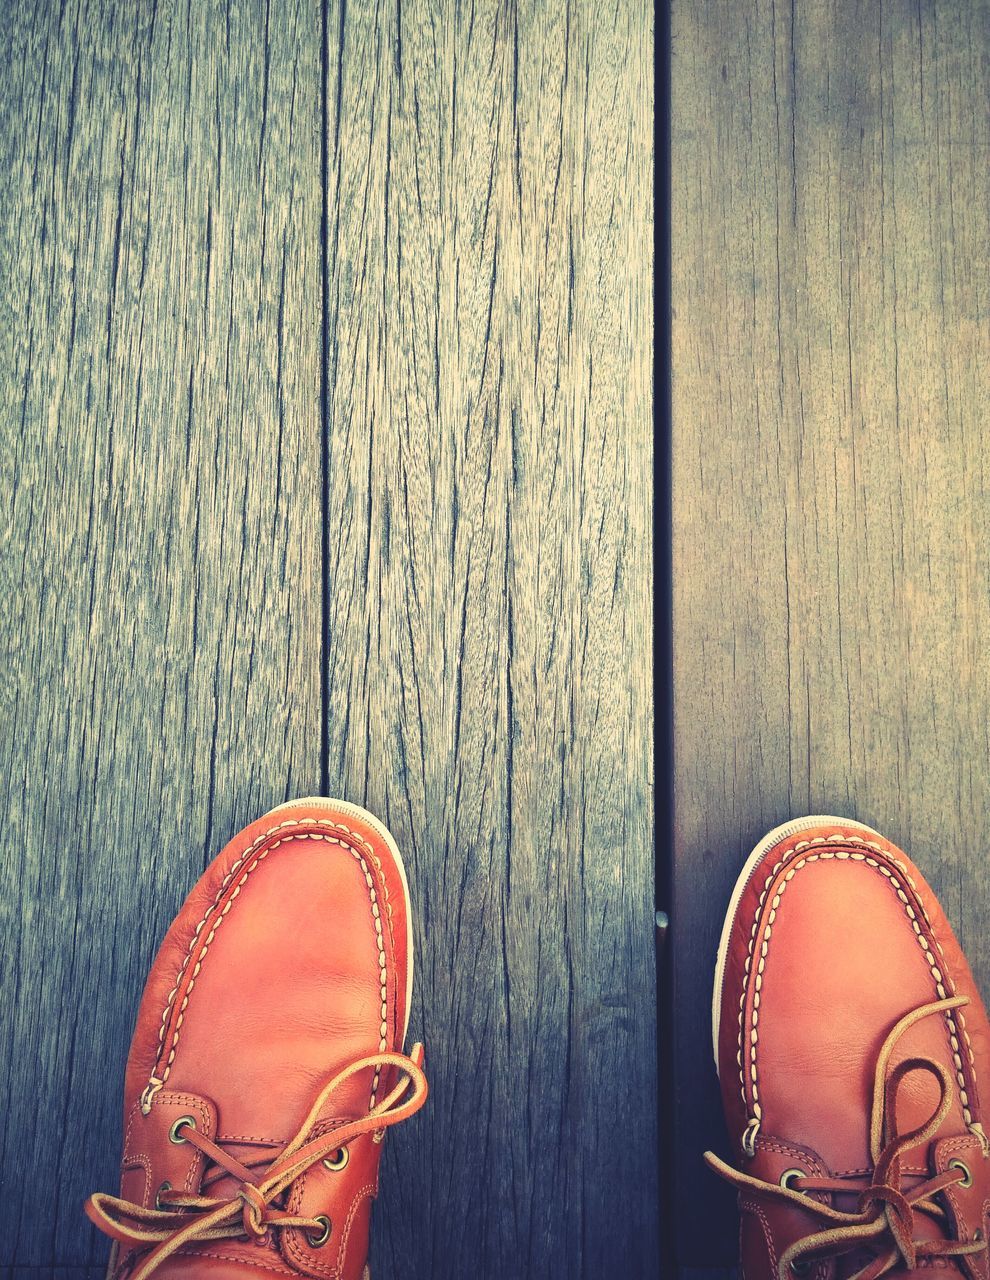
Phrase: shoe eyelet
(318, 1239)
(788, 1176)
(967, 1179)
(175, 1133)
(978, 1235)
(166, 1186)
(801, 1266)
(338, 1160)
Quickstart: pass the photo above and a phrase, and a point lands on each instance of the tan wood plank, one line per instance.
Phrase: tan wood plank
(489, 382)
(160, 563)
(831, 293)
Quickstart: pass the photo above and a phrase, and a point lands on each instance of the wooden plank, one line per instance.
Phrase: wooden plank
(160, 353)
(53, 1273)
(831, 292)
(489, 376)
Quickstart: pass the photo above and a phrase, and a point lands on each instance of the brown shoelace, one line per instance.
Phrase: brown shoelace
(885, 1216)
(249, 1214)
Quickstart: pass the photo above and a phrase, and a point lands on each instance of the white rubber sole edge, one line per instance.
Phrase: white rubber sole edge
(356, 811)
(777, 836)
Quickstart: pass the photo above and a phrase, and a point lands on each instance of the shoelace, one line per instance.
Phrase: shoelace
(885, 1216)
(194, 1219)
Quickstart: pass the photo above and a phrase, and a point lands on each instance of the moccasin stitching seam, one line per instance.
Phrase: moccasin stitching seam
(752, 1207)
(228, 880)
(823, 855)
(143, 1162)
(247, 1262)
(333, 1272)
(183, 1100)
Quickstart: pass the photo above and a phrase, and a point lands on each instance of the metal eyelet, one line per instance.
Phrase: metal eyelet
(801, 1266)
(317, 1241)
(967, 1179)
(166, 1186)
(174, 1134)
(788, 1176)
(338, 1160)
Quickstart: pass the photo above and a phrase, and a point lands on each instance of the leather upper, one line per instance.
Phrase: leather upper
(836, 937)
(287, 962)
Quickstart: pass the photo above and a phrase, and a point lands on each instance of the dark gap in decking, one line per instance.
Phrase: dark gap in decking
(663, 685)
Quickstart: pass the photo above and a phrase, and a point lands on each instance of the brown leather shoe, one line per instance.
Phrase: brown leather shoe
(266, 1063)
(851, 1044)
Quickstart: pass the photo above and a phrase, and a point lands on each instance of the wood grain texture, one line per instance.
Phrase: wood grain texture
(53, 1273)
(831, 535)
(489, 471)
(160, 563)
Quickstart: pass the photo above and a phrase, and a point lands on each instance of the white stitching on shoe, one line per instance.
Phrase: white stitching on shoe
(227, 881)
(305, 1256)
(937, 976)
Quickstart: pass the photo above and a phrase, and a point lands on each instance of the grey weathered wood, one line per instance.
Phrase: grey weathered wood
(488, 569)
(53, 1273)
(160, 564)
(489, 495)
(831, 294)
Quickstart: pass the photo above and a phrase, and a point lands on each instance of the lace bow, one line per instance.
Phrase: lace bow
(182, 1218)
(885, 1216)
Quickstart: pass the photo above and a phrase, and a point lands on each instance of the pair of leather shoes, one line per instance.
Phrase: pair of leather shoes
(267, 1064)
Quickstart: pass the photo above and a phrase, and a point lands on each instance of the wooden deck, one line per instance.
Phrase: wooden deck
(326, 342)
(831, 513)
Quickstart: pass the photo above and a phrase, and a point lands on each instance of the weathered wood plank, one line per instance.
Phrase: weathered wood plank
(53, 1273)
(831, 293)
(160, 362)
(489, 382)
